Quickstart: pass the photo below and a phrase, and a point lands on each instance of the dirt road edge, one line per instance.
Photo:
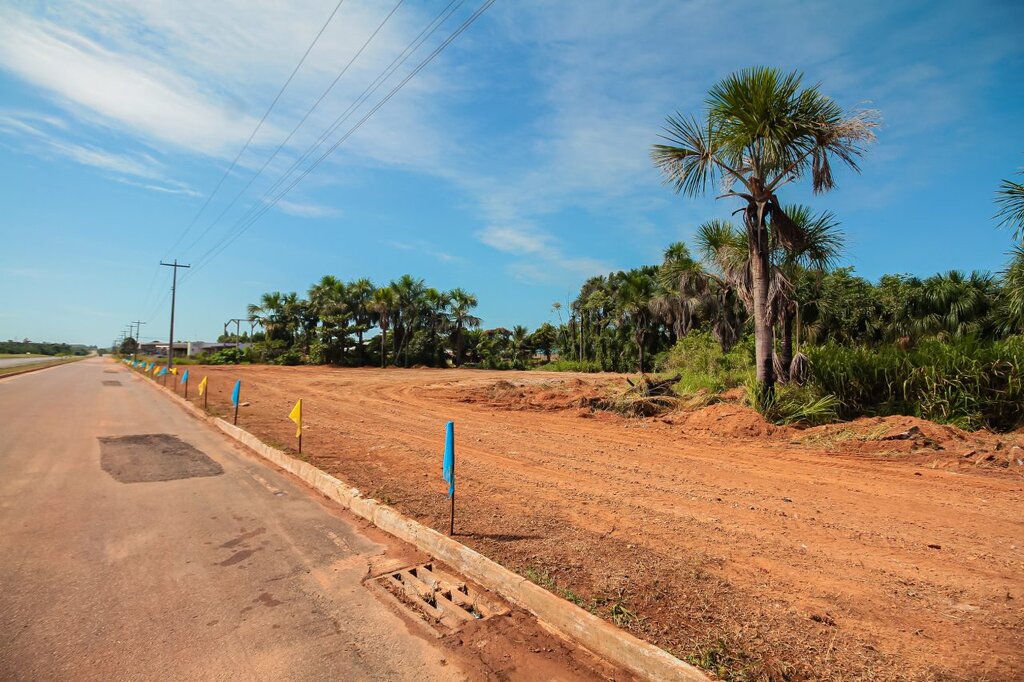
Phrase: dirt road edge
(580, 626)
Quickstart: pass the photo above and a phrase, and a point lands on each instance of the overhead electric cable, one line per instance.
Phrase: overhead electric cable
(245, 222)
(259, 125)
(297, 126)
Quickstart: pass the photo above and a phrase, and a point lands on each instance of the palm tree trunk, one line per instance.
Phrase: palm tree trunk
(383, 348)
(763, 351)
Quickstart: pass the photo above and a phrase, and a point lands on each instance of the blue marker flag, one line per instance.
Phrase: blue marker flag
(184, 377)
(235, 393)
(162, 372)
(448, 469)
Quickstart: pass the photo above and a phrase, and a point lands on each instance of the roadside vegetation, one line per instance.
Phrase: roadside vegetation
(11, 348)
(752, 308)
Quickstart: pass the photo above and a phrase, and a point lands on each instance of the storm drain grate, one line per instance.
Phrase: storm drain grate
(111, 382)
(439, 597)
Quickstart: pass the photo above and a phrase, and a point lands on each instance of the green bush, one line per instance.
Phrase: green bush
(703, 365)
(570, 366)
(968, 383)
(227, 356)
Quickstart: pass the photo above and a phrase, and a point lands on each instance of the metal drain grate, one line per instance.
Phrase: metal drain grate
(440, 597)
(111, 382)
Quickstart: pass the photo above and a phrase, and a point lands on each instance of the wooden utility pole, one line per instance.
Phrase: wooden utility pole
(174, 286)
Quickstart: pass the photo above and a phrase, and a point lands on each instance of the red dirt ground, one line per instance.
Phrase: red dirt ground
(868, 550)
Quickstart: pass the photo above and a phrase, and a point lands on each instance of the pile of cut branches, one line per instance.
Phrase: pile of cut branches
(645, 398)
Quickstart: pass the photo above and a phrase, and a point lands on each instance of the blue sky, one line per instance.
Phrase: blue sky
(515, 165)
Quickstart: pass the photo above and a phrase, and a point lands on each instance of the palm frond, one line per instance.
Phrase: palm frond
(1010, 199)
(688, 162)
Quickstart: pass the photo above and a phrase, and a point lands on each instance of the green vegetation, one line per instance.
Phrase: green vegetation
(11, 347)
(968, 382)
(756, 305)
(20, 369)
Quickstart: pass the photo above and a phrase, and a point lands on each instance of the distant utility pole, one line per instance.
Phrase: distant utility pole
(174, 286)
(138, 330)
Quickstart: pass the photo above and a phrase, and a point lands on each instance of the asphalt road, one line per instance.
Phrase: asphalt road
(243, 574)
(14, 362)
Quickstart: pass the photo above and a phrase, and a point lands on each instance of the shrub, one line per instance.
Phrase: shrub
(703, 365)
(570, 366)
(227, 356)
(968, 383)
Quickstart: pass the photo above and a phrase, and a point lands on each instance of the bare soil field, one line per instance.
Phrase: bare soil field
(882, 549)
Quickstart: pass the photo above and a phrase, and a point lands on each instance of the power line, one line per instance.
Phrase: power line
(381, 78)
(299, 125)
(258, 126)
(245, 223)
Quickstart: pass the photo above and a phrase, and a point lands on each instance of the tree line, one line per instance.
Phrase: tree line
(404, 323)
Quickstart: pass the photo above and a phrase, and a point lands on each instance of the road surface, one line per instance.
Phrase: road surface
(115, 566)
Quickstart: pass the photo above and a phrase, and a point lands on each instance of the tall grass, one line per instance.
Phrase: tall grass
(968, 383)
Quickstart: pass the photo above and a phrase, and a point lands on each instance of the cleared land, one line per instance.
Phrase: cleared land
(883, 549)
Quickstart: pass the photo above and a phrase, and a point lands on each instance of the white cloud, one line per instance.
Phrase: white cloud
(514, 239)
(307, 209)
(424, 248)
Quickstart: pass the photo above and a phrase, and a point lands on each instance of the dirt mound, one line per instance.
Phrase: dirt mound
(570, 395)
(939, 445)
(729, 421)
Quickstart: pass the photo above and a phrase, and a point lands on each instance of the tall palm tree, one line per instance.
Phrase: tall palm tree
(821, 247)
(1012, 315)
(725, 255)
(634, 303)
(520, 341)
(268, 313)
(383, 304)
(1010, 199)
(762, 130)
(409, 291)
(357, 297)
(459, 312)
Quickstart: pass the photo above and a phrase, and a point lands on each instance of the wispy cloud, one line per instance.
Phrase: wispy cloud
(125, 168)
(307, 209)
(425, 248)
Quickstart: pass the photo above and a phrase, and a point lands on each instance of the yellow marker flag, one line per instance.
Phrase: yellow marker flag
(174, 370)
(156, 368)
(296, 416)
(202, 386)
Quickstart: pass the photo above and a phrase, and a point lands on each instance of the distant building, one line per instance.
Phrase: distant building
(188, 349)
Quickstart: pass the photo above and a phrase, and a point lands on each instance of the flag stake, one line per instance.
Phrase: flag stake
(296, 416)
(236, 397)
(448, 471)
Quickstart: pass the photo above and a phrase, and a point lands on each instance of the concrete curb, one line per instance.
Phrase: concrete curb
(580, 626)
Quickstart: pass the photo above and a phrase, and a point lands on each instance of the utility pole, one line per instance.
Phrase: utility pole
(138, 330)
(174, 286)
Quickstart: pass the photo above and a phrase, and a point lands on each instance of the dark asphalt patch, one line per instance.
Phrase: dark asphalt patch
(154, 457)
(111, 383)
